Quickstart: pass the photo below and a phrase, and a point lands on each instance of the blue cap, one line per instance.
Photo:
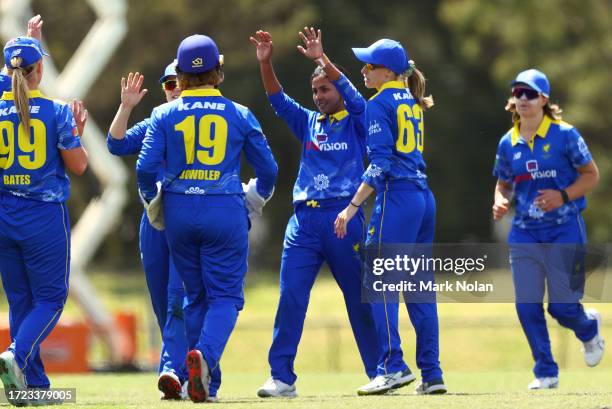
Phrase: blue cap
(535, 79)
(28, 48)
(385, 52)
(197, 53)
(170, 71)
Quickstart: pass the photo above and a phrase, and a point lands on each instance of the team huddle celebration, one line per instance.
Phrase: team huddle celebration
(198, 210)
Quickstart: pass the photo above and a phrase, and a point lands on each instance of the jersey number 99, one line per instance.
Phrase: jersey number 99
(211, 136)
(409, 137)
(32, 149)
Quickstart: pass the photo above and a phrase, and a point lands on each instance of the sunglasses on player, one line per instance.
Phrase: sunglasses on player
(528, 92)
(372, 67)
(169, 85)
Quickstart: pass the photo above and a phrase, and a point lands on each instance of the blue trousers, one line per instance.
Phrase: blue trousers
(309, 241)
(35, 267)
(540, 264)
(406, 213)
(167, 297)
(208, 239)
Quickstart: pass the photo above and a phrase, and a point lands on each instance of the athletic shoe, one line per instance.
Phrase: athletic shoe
(594, 349)
(212, 399)
(384, 383)
(11, 377)
(273, 388)
(544, 383)
(198, 376)
(435, 387)
(170, 386)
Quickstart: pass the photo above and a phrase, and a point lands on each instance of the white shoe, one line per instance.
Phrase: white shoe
(170, 386)
(212, 399)
(273, 388)
(594, 349)
(384, 383)
(11, 377)
(544, 383)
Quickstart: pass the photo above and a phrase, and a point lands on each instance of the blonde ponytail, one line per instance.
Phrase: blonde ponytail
(415, 81)
(20, 91)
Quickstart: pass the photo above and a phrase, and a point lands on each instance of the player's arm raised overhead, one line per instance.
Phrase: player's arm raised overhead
(354, 102)
(295, 115)
(120, 141)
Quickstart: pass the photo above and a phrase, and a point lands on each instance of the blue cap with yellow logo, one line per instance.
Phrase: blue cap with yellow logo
(535, 79)
(27, 48)
(197, 53)
(388, 53)
(170, 71)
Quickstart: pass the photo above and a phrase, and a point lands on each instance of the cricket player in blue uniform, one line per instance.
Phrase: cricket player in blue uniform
(333, 151)
(201, 136)
(39, 139)
(546, 164)
(165, 286)
(404, 210)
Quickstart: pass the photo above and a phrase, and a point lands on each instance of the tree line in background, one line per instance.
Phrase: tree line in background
(469, 51)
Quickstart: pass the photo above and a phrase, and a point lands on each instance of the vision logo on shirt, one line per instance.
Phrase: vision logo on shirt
(534, 172)
(321, 144)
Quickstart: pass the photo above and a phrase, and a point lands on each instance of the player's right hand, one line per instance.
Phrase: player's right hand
(500, 208)
(35, 27)
(131, 95)
(263, 43)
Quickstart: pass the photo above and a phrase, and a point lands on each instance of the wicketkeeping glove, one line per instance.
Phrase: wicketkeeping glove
(254, 201)
(155, 209)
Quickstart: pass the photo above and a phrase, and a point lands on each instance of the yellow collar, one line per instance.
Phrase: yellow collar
(203, 92)
(541, 132)
(391, 85)
(338, 116)
(35, 93)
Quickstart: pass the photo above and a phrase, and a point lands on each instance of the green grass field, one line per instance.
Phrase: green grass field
(484, 355)
(474, 390)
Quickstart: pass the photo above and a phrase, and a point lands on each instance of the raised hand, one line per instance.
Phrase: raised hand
(313, 41)
(263, 43)
(131, 95)
(35, 27)
(80, 115)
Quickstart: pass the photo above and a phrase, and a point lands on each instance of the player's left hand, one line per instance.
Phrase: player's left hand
(342, 220)
(80, 115)
(549, 200)
(313, 41)
(35, 27)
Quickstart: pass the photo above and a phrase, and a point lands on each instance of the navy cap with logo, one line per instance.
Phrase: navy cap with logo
(170, 71)
(535, 79)
(197, 53)
(388, 53)
(28, 48)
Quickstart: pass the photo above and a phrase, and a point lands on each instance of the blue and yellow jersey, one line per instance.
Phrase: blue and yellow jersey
(201, 136)
(395, 130)
(333, 146)
(32, 167)
(5, 83)
(549, 161)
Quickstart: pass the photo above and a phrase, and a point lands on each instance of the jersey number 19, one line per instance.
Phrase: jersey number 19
(211, 136)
